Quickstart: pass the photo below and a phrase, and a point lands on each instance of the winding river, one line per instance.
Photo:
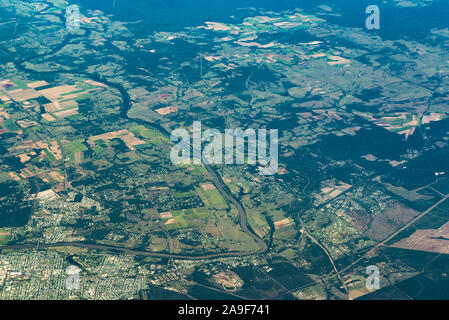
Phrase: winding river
(217, 180)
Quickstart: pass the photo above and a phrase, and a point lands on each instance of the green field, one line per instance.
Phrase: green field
(76, 146)
(194, 168)
(187, 194)
(258, 222)
(10, 125)
(22, 84)
(50, 156)
(180, 222)
(183, 217)
(212, 198)
(150, 135)
(98, 149)
(4, 238)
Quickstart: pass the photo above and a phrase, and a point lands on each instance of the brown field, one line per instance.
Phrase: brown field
(166, 215)
(69, 103)
(283, 223)
(57, 105)
(392, 218)
(48, 117)
(337, 60)
(171, 221)
(131, 141)
(24, 158)
(78, 157)
(5, 115)
(128, 138)
(53, 147)
(56, 92)
(52, 106)
(326, 190)
(48, 194)
(208, 186)
(14, 176)
(431, 117)
(410, 195)
(37, 84)
(22, 95)
(66, 113)
(55, 175)
(26, 173)
(5, 84)
(335, 193)
(429, 240)
(70, 97)
(166, 110)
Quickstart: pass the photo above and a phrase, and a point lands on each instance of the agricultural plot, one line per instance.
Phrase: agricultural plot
(211, 197)
(4, 237)
(150, 135)
(75, 150)
(181, 218)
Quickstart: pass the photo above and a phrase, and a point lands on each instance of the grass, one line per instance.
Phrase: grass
(183, 217)
(258, 222)
(442, 185)
(75, 117)
(237, 100)
(50, 179)
(50, 156)
(151, 135)
(20, 83)
(73, 158)
(98, 149)
(75, 146)
(195, 168)
(410, 195)
(70, 250)
(400, 121)
(201, 212)
(234, 237)
(395, 130)
(212, 198)
(180, 222)
(187, 194)
(10, 125)
(4, 237)
(73, 92)
(83, 97)
(85, 86)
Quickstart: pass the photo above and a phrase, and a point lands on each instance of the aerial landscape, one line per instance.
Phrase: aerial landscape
(224, 150)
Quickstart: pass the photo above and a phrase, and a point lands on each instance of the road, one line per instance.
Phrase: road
(313, 239)
(394, 234)
(217, 180)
